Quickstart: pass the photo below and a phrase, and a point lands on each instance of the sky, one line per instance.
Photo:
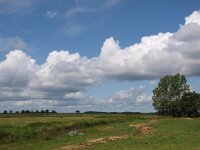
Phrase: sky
(94, 55)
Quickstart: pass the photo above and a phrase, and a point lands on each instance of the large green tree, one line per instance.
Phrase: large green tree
(168, 94)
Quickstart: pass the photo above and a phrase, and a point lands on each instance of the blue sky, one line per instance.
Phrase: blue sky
(104, 55)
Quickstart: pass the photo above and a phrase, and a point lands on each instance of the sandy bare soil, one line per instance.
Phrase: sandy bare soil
(92, 142)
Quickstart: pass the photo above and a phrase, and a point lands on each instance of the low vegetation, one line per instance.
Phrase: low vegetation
(98, 131)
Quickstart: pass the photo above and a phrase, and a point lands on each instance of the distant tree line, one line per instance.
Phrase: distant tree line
(173, 97)
(30, 111)
(103, 112)
(77, 112)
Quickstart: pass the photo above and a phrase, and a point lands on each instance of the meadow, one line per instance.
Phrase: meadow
(98, 131)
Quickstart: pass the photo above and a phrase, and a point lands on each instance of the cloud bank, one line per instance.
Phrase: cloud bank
(64, 76)
(133, 99)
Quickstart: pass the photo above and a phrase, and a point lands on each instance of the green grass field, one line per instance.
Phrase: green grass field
(98, 131)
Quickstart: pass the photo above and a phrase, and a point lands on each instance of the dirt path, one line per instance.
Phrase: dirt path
(90, 143)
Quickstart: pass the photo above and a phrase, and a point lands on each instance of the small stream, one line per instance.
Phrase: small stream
(75, 132)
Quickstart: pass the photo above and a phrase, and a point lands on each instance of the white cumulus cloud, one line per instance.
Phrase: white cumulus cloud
(156, 55)
(63, 76)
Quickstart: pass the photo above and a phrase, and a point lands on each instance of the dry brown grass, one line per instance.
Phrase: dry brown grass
(92, 142)
(143, 128)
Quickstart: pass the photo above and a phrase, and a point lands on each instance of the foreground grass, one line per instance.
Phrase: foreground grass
(168, 134)
(51, 132)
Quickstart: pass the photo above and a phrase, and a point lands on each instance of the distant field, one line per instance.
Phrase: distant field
(98, 131)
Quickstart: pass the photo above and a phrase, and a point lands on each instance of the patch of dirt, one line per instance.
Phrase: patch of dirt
(143, 128)
(92, 142)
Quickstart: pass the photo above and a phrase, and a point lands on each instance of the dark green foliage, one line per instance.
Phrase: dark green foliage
(173, 97)
(17, 112)
(77, 111)
(190, 104)
(27, 111)
(30, 112)
(53, 111)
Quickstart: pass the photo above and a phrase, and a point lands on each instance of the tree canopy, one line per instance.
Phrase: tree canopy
(172, 96)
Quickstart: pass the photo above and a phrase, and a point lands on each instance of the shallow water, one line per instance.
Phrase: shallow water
(75, 132)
